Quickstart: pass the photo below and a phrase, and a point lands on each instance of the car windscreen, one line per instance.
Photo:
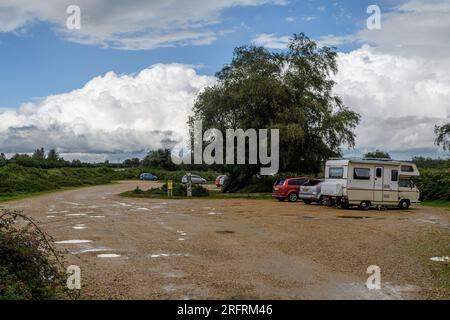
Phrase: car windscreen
(279, 182)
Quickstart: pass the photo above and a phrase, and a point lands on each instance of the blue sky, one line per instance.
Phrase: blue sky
(37, 61)
(134, 68)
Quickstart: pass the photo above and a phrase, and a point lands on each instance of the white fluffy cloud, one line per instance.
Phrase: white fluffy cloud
(111, 113)
(400, 99)
(131, 25)
(398, 79)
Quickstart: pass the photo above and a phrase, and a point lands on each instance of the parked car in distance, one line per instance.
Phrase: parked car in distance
(311, 191)
(288, 188)
(220, 180)
(194, 179)
(147, 177)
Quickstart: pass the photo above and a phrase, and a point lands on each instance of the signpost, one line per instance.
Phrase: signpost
(189, 185)
(169, 188)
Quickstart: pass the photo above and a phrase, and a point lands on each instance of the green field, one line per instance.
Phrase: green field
(17, 182)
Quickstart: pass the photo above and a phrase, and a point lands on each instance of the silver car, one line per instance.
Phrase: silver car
(194, 179)
(311, 192)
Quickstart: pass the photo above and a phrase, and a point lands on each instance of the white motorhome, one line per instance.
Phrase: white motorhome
(370, 182)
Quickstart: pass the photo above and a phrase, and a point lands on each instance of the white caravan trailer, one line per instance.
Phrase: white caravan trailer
(370, 182)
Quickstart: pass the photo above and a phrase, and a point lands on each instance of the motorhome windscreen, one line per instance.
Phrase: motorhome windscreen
(336, 173)
(405, 183)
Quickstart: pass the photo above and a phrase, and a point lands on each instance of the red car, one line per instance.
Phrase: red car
(220, 180)
(288, 188)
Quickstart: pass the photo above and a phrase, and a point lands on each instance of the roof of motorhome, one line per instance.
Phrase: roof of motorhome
(344, 162)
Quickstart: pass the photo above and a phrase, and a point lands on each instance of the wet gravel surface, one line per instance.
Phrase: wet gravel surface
(241, 249)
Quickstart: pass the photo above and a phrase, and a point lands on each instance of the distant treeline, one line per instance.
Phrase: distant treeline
(160, 158)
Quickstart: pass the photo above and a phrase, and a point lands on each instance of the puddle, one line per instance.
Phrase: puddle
(440, 259)
(166, 255)
(143, 209)
(353, 217)
(51, 217)
(76, 214)
(123, 204)
(108, 255)
(74, 203)
(308, 217)
(72, 241)
(79, 227)
(181, 239)
(97, 216)
(225, 231)
(87, 249)
(213, 213)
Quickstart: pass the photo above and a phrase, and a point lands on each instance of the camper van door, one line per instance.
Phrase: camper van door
(378, 184)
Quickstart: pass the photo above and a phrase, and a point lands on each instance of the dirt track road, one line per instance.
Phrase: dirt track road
(225, 249)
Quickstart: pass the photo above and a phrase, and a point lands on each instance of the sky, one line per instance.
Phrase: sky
(126, 80)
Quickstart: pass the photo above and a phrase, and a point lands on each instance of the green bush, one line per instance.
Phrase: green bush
(30, 267)
(434, 184)
(179, 190)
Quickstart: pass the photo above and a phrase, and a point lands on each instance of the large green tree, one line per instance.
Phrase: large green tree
(290, 91)
(443, 135)
(378, 154)
(159, 158)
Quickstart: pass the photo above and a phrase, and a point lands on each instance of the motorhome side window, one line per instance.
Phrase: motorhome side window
(379, 172)
(336, 173)
(394, 175)
(361, 173)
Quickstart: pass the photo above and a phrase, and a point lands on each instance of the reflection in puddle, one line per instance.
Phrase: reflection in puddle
(79, 227)
(87, 249)
(76, 214)
(440, 259)
(165, 255)
(353, 217)
(108, 255)
(72, 241)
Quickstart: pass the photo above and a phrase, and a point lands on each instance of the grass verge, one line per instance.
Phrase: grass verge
(213, 195)
(437, 204)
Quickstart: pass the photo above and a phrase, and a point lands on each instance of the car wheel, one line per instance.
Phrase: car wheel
(321, 201)
(404, 204)
(292, 197)
(364, 205)
(307, 201)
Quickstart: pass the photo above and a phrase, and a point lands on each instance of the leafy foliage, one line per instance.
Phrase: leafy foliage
(289, 91)
(434, 184)
(377, 154)
(443, 135)
(179, 190)
(30, 267)
(159, 158)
